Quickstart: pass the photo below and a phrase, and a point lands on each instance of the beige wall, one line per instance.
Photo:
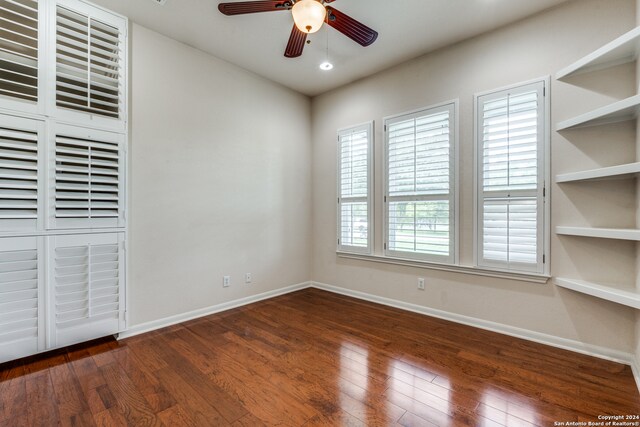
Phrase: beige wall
(536, 47)
(219, 181)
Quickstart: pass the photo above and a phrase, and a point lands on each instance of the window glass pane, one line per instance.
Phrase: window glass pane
(420, 227)
(354, 227)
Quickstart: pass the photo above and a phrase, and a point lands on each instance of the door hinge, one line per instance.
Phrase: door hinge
(338, 241)
(544, 259)
(385, 199)
(385, 246)
(338, 200)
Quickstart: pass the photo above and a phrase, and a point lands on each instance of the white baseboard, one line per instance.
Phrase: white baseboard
(183, 317)
(635, 367)
(551, 340)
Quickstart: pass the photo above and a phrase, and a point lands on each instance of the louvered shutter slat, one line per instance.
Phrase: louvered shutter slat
(19, 297)
(354, 146)
(88, 178)
(510, 135)
(19, 49)
(89, 64)
(18, 176)
(419, 169)
(87, 274)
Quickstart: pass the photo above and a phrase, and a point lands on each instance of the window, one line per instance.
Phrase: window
(511, 135)
(420, 184)
(355, 170)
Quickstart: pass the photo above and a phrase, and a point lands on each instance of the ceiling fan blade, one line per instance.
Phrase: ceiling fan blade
(242, 7)
(356, 31)
(296, 43)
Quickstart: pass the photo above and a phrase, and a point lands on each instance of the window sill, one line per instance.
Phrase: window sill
(502, 274)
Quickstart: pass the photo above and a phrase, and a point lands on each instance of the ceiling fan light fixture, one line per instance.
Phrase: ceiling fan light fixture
(308, 15)
(326, 66)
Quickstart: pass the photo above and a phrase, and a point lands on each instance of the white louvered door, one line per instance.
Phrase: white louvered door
(511, 179)
(21, 297)
(21, 176)
(86, 178)
(86, 274)
(90, 70)
(20, 58)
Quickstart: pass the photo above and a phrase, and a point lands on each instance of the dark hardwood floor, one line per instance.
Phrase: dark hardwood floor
(313, 358)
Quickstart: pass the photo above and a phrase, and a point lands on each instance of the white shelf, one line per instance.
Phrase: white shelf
(604, 233)
(628, 298)
(619, 111)
(630, 170)
(625, 48)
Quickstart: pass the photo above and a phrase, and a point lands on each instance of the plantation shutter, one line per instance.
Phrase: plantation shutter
(354, 188)
(21, 331)
(89, 63)
(88, 177)
(511, 179)
(19, 49)
(420, 184)
(88, 286)
(19, 173)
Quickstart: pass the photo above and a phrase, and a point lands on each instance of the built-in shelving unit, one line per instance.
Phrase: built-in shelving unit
(624, 297)
(630, 170)
(624, 49)
(603, 233)
(619, 111)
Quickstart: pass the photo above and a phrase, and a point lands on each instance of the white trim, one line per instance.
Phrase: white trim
(453, 106)
(369, 127)
(206, 311)
(543, 192)
(635, 368)
(463, 269)
(541, 338)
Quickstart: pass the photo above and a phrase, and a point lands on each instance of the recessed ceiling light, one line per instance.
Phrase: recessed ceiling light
(326, 66)
(160, 2)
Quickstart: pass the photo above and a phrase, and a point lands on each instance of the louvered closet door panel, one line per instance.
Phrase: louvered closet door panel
(21, 296)
(87, 283)
(19, 21)
(20, 165)
(87, 173)
(90, 62)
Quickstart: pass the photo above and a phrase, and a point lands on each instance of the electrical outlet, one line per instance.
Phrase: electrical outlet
(247, 278)
(226, 281)
(421, 283)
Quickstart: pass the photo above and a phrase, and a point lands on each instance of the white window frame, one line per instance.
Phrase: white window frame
(369, 128)
(452, 259)
(542, 266)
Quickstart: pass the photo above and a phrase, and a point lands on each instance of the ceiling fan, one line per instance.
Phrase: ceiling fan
(308, 17)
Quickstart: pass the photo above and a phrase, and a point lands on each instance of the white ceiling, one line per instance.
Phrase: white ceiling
(256, 42)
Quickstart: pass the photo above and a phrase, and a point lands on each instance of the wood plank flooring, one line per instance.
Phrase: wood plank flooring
(313, 358)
